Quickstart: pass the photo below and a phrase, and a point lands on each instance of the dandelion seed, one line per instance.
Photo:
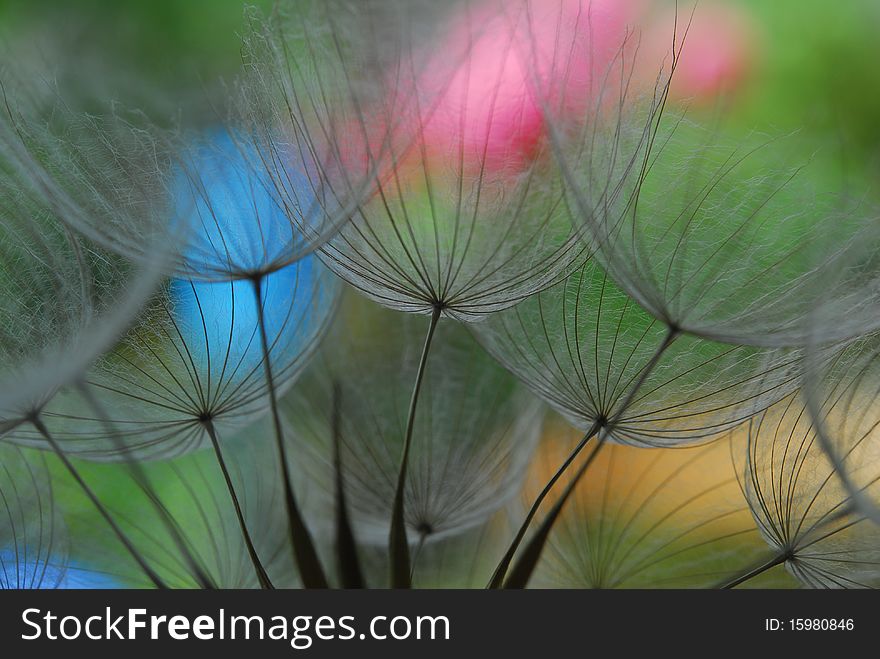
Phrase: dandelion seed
(841, 392)
(195, 354)
(448, 229)
(470, 216)
(802, 509)
(225, 203)
(475, 433)
(64, 300)
(241, 228)
(726, 243)
(596, 356)
(648, 518)
(619, 375)
(322, 95)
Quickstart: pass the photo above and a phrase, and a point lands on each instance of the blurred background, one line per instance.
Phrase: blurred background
(805, 65)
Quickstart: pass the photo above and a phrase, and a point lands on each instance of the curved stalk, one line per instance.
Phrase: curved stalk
(74, 473)
(310, 570)
(504, 564)
(143, 484)
(398, 545)
(522, 571)
(423, 538)
(537, 543)
(262, 576)
(751, 574)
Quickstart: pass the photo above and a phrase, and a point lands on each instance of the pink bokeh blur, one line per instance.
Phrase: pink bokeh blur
(478, 103)
(501, 60)
(717, 45)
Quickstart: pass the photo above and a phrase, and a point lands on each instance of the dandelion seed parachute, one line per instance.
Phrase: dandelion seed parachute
(193, 492)
(325, 86)
(240, 223)
(727, 243)
(475, 430)
(467, 252)
(648, 518)
(471, 217)
(195, 356)
(620, 375)
(802, 508)
(63, 300)
(449, 235)
(595, 356)
(226, 205)
(305, 76)
(841, 391)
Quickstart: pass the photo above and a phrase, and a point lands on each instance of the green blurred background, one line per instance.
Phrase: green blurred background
(157, 38)
(814, 65)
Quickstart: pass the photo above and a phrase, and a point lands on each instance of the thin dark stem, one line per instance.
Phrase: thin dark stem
(143, 483)
(123, 538)
(522, 571)
(423, 538)
(310, 570)
(504, 564)
(500, 572)
(262, 576)
(670, 337)
(348, 562)
(751, 574)
(398, 544)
